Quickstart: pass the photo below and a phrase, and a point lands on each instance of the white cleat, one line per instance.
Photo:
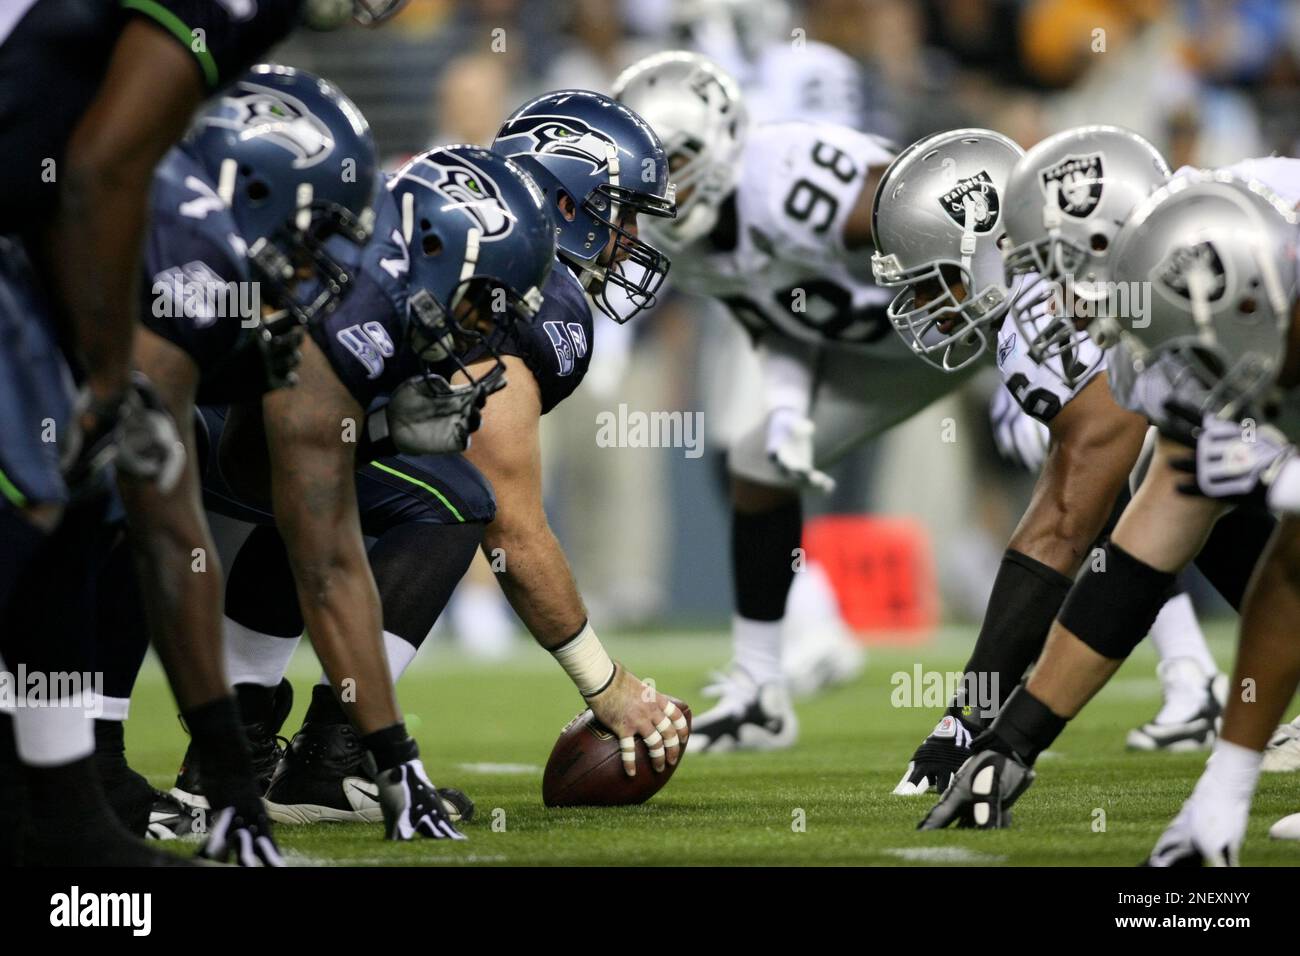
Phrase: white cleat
(1288, 828)
(1192, 711)
(748, 717)
(1282, 755)
(818, 663)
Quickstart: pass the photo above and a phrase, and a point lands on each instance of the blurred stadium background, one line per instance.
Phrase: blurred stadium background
(1208, 81)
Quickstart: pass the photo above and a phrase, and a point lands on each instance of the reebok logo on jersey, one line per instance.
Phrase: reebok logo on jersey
(973, 197)
(1079, 182)
(1005, 348)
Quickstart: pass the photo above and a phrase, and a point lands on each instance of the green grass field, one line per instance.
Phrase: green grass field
(489, 728)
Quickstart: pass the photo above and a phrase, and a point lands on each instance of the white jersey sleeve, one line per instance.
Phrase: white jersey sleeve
(1279, 173)
(1039, 390)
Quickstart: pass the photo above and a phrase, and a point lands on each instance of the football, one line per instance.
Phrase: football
(586, 770)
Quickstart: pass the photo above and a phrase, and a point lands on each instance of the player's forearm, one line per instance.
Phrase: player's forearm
(94, 249)
(536, 579)
(1269, 654)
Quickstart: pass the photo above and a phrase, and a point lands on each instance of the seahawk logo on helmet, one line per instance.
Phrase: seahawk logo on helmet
(566, 136)
(977, 194)
(1080, 180)
(473, 193)
(266, 113)
(1173, 272)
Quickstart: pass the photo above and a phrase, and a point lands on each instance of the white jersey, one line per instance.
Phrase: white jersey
(1279, 173)
(777, 258)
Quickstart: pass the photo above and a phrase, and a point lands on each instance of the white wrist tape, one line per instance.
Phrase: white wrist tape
(586, 662)
(1284, 492)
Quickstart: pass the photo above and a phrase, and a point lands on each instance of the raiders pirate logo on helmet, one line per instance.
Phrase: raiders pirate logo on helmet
(472, 192)
(1080, 180)
(565, 136)
(279, 118)
(1172, 274)
(976, 196)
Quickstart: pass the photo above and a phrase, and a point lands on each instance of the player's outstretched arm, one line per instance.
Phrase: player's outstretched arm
(539, 584)
(1094, 445)
(311, 433)
(151, 88)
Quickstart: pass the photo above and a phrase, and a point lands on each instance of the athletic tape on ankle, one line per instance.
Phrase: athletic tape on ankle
(1113, 607)
(586, 662)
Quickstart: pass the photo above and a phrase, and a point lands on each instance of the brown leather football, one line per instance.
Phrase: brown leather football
(586, 769)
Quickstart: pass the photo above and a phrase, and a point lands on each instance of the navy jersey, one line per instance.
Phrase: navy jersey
(53, 57)
(556, 343)
(365, 338)
(197, 290)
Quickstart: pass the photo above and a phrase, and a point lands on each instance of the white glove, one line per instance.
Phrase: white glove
(1233, 462)
(1021, 438)
(790, 446)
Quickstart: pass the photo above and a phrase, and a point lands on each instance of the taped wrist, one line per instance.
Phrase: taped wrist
(1112, 607)
(586, 662)
(1026, 725)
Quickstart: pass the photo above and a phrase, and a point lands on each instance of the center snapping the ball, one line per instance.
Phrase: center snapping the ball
(586, 768)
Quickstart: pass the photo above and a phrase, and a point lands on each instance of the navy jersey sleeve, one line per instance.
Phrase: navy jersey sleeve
(225, 37)
(365, 338)
(195, 289)
(556, 343)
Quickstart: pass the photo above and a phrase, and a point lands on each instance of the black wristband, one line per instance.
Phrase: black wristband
(391, 747)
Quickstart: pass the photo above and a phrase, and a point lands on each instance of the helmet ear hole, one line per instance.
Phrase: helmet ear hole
(1099, 242)
(1247, 305)
(257, 190)
(431, 245)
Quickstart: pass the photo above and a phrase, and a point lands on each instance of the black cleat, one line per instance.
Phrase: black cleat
(265, 745)
(323, 779)
(981, 793)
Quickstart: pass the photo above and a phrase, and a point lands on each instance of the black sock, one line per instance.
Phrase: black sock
(390, 747)
(324, 707)
(1026, 596)
(1026, 725)
(223, 751)
(260, 589)
(13, 796)
(762, 559)
(416, 566)
(256, 703)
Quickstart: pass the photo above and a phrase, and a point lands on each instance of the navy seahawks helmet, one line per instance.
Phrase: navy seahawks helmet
(294, 160)
(610, 164)
(481, 246)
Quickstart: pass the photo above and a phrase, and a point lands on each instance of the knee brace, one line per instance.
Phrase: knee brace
(1112, 608)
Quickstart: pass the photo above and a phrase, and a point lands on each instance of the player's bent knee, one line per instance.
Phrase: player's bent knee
(1113, 605)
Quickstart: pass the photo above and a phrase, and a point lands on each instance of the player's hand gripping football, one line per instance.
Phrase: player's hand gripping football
(632, 708)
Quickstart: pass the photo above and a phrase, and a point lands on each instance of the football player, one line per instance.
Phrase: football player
(457, 225)
(775, 222)
(82, 145)
(308, 448)
(598, 166)
(953, 295)
(1158, 533)
(1213, 354)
